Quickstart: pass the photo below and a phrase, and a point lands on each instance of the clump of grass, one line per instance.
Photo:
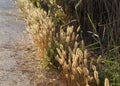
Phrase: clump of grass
(39, 27)
(76, 66)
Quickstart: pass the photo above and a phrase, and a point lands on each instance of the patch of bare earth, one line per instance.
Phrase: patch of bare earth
(30, 63)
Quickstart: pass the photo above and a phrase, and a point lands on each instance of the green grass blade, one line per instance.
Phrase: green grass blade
(94, 28)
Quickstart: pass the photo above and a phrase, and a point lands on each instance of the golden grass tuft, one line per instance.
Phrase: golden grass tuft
(39, 26)
(77, 68)
(74, 61)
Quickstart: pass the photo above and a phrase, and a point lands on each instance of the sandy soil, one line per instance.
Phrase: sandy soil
(12, 36)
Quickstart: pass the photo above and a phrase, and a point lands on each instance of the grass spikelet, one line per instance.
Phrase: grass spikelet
(106, 83)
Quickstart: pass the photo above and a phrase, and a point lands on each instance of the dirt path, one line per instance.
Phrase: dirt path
(11, 37)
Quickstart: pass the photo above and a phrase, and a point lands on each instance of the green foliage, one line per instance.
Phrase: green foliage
(112, 67)
(52, 52)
